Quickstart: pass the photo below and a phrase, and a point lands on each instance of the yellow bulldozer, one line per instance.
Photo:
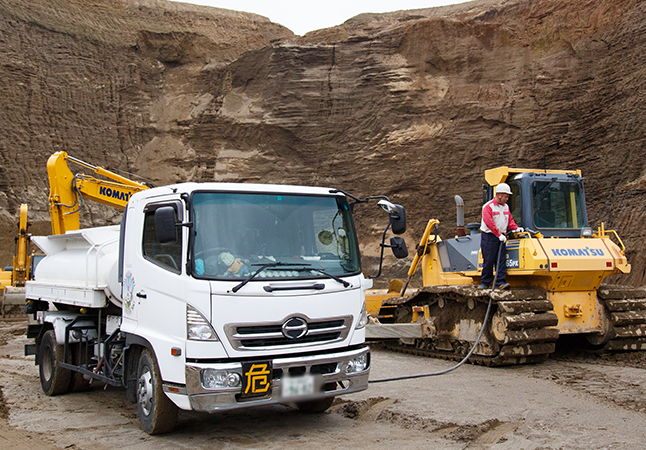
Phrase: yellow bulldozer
(556, 268)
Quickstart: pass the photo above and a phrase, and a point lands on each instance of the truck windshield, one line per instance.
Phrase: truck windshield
(307, 236)
(556, 204)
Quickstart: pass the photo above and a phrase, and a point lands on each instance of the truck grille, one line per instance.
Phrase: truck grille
(264, 336)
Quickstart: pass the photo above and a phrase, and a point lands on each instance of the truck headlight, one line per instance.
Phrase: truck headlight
(363, 317)
(197, 327)
(357, 364)
(220, 379)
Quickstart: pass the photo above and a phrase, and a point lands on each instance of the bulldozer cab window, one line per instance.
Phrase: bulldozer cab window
(169, 255)
(516, 202)
(556, 204)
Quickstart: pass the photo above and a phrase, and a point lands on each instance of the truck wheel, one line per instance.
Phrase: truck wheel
(315, 406)
(157, 413)
(53, 379)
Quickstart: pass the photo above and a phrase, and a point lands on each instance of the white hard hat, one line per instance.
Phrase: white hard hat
(503, 188)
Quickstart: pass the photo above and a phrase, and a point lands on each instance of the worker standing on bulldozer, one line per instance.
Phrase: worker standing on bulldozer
(496, 220)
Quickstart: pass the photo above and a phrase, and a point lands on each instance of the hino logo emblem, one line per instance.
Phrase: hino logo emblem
(294, 328)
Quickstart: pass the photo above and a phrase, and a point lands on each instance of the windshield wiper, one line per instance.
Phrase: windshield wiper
(329, 275)
(260, 269)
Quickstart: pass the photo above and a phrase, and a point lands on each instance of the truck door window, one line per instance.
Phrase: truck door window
(169, 255)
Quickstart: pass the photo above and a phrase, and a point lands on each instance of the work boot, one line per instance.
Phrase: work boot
(504, 286)
(484, 286)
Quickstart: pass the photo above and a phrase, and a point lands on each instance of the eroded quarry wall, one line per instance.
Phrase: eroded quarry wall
(414, 104)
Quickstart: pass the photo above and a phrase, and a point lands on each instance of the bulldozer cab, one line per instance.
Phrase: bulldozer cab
(549, 201)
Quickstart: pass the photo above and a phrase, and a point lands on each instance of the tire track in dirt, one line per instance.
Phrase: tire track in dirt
(619, 385)
(479, 435)
(15, 439)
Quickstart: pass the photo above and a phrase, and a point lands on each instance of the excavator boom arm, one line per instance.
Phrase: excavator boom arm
(68, 191)
(21, 259)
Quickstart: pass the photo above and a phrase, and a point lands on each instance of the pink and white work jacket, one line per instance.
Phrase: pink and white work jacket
(496, 218)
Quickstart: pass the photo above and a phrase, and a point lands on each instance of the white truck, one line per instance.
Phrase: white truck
(209, 297)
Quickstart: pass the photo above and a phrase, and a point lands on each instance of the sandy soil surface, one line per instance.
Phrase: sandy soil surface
(577, 400)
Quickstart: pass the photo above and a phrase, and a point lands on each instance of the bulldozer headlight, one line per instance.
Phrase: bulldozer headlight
(586, 232)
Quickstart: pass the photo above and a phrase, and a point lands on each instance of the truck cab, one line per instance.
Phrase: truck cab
(269, 282)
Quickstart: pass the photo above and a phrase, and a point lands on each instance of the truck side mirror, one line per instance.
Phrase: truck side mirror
(165, 225)
(396, 214)
(398, 245)
(398, 220)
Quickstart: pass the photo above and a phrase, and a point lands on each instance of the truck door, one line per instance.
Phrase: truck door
(154, 280)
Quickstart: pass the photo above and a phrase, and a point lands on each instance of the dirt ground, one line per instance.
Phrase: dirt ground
(577, 400)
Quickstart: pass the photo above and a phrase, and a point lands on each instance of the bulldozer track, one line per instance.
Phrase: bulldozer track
(627, 308)
(520, 329)
(473, 359)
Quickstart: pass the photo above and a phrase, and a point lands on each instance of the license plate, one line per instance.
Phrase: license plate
(256, 379)
(297, 386)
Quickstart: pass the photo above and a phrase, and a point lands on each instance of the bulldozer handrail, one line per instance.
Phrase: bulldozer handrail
(423, 243)
(608, 233)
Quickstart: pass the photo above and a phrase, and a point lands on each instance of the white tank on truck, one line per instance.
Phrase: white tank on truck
(207, 297)
(80, 268)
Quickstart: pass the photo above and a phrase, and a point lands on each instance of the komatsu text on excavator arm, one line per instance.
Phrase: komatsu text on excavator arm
(67, 191)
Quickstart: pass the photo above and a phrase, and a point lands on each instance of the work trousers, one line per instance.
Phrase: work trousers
(489, 245)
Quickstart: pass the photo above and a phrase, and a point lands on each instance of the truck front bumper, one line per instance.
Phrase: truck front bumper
(334, 374)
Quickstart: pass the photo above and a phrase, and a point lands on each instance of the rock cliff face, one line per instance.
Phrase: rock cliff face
(413, 104)
(112, 82)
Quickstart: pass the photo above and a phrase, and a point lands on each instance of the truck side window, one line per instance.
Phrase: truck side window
(168, 256)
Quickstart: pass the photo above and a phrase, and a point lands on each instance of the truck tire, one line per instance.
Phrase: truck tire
(315, 406)
(157, 414)
(78, 383)
(53, 379)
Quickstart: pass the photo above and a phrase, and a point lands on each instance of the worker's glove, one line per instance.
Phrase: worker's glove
(502, 238)
(519, 230)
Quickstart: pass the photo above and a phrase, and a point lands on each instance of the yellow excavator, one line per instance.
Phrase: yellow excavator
(12, 282)
(68, 191)
(66, 198)
(555, 268)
